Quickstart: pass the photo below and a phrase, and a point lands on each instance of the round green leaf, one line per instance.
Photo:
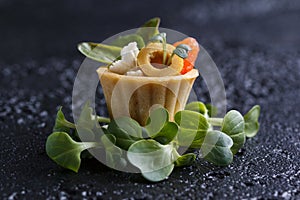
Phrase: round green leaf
(150, 155)
(233, 125)
(167, 133)
(125, 127)
(251, 121)
(64, 151)
(191, 120)
(113, 153)
(182, 53)
(158, 175)
(185, 160)
(197, 106)
(216, 148)
(156, 121)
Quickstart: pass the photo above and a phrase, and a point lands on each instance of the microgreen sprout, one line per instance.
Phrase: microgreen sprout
(105, 53)
(181, 51)
(154, 148)
(162, 38)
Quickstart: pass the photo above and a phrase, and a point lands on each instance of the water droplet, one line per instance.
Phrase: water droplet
(12, 196)
(42, 125)
(83, 193)
(99, 194)
(286, 195)
(20, 121)
(44, 114)
(6, 72)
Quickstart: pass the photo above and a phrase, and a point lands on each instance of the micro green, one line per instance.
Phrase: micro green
(108, 53)
(149, 29)
(155, 161)
(122, 41)
(62, 149)
(181, 50)
(153, 149)
(61, 123)
(233, 125)
(162, 38)
(99, 52)
(216, 148)
(251, 121)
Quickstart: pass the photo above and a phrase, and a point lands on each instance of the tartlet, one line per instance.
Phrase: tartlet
(134, 96)
(157, 74)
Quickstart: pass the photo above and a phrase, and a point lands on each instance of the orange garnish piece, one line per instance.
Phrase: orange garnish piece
(189, 62)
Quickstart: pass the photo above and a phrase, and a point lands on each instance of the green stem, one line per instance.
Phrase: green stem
(89, 145)
(215, 121)
(169, 60)
(103, 119)
(165, 52)
(175, 155)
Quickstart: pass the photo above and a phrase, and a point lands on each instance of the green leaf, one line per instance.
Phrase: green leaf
(160, 37)
(184, 46)
(216, 148)
(108, 139)
(125, 143)
(122, 41)
(99, 52)
(88, 126)
(149, 29)
(66, 152)
(182, 53)
(85, 133)
(167, 133)
(114, 158)
(86, 118)
(61, 124)
(193, 127)
(251, 121)
(191, 120)
(156, 121)
(197, 106)
(197, 144)
(125, 126)
(185, 160)
(159, 175)
(212, 110)
(233, 125)
(190, 138)
(153, 159)
(126, 130)
(182, 50)
(108, 53)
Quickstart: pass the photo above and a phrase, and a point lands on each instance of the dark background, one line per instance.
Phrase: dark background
(255, 44)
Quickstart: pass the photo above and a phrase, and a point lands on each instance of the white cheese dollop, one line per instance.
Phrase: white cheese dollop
(128, 59)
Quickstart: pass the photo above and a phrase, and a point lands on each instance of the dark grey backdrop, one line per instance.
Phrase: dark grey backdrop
(255, 44)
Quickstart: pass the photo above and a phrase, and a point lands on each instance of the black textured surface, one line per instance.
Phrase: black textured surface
(255, 44)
